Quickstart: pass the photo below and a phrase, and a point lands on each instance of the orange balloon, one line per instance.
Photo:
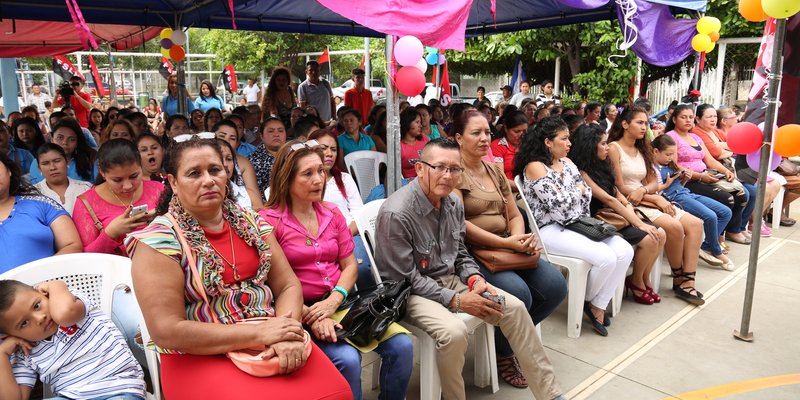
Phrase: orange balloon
(177, 53)
(714, 36)
(752, 11)
(787, 140)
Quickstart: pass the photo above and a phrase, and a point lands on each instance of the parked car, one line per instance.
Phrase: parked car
(376, 88)
(495, 97)
(93, 89)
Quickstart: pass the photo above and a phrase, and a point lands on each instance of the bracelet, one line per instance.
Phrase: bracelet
(341, 290)
(458, 303)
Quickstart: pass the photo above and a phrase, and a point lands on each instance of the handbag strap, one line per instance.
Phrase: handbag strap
(192, 261)
(97, 223)
(502, 197)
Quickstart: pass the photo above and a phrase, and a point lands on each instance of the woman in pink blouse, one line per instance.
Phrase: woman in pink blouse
(103, 214)
(319, 246)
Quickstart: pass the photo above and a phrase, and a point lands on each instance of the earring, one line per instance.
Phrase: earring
(227, 191)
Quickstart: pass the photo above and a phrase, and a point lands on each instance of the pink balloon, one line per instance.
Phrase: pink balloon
(410, 81)
(754, 161)
(745, 138)
(408, 50)
(421, 65)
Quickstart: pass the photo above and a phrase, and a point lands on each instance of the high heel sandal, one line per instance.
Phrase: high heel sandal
(656, 298)
(643, 298)
(597, 325)
(511, 372)
(687, 293)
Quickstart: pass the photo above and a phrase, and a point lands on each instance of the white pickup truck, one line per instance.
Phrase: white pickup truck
(377, 89)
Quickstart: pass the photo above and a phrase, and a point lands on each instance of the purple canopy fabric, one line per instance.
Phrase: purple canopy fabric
(659, 38)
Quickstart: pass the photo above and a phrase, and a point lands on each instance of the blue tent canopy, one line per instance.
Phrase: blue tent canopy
(300, 16)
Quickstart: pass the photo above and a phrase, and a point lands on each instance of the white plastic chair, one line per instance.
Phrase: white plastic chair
(777, 209)
(577, 277)
(365, 166)
(485, 356)
(97, 276)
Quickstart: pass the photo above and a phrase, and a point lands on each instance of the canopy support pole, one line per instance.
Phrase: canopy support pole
(8, 81)
(557, 78)
(367, 68)
(112, 86)
(393, 176)
(771, 98)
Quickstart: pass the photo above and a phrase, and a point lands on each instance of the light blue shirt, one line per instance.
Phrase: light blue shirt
(347, 145)
(169, 105)
(23, 157)
(245, 149)
(207, 103)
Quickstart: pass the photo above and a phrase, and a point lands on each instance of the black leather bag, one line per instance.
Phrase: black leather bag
(372, 310)
(592, 228)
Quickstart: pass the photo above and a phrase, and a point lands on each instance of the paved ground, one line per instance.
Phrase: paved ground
(673, 350)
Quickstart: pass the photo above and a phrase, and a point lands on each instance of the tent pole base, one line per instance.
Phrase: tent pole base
(746, 337)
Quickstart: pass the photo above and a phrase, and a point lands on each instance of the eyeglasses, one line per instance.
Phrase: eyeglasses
(441, 169)
(309, 144)
(189, 136)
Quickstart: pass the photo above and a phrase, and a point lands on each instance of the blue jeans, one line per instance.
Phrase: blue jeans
(397, 360)
(714, 214)
(123, 396)
(750, 207)
(541, 290)
(365, 278)
(123, 313)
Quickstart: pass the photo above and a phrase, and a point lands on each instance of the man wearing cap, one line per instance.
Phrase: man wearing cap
(358, 96)
(506, 93)
(80, 102)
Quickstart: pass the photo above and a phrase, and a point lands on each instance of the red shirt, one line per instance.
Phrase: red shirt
(247, 259)
(361, 101)
(504, 153)
(81, 112)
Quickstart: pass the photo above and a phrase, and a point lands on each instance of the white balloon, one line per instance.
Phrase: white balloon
(421, 65)
(178, 37)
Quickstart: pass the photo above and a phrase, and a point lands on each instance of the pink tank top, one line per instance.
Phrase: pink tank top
(688, 156)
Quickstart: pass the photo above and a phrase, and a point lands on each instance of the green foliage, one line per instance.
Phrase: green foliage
(262, 51)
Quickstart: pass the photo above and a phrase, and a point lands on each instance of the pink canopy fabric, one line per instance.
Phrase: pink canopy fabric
(24, 38)
(436, 23)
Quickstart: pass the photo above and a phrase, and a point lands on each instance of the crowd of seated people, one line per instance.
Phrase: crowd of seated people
(259, 201)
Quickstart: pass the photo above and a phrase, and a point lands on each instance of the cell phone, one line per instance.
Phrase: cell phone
(138, 210)
(676, 173)
(499, 299)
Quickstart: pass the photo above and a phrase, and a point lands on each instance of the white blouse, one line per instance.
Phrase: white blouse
(74, 189)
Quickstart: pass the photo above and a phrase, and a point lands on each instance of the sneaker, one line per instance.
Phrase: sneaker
(710, 260)
(765, 230)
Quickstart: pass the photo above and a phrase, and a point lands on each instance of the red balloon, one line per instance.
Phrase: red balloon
(745, 138)
(410, 81)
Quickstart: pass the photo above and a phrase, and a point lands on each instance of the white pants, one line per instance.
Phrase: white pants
(610, 259)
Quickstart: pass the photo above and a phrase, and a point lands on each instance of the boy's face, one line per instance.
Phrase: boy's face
(29, 317)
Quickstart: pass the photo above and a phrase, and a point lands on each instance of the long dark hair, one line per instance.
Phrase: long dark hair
(116, 152)
(272, 89)
(335, 172)
(532, 147)
(234, 173)
(698, 114)
(584, 154)
(92, 126)
(38, 137)
(680, 108)
(18, 186)
(512, 120)
(212, 93)
(406, 118)
(211, 110)
(83, 155)
(642, 145)
(661, 143)
(171, 165)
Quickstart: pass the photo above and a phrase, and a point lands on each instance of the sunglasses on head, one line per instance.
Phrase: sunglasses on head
(188, 136)
(309, 144)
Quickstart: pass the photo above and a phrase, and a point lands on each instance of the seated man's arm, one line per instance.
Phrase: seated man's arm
(394, 256)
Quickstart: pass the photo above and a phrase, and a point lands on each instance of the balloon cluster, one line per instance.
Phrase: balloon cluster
(760, 10)
(746, 138)
(410, 79)
(171, 42)
(707, 34)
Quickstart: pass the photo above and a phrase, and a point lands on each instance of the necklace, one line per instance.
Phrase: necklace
(233, 254)
(120, 200)
(308, 223)
(474, 179)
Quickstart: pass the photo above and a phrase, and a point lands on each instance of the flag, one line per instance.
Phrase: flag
(165, 69)
(447, 95)
(98, 83)
(517, 76)
(363, 60)
(63, 68)
(789, 110)
(324, 58)
(229, 79)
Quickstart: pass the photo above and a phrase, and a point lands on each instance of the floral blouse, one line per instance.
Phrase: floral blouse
(262, 162)
(558, 197)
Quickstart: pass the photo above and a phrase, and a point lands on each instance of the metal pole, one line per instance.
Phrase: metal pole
(112, 87)
(393, 177)
(637, 89)
(367, 68)
(557, 77)
(8, 71)
(771, 98)
(722, 49)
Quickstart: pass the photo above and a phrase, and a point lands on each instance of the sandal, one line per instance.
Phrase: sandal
(737, 239)
(725, 248)
(511, 372)
(687, 293)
